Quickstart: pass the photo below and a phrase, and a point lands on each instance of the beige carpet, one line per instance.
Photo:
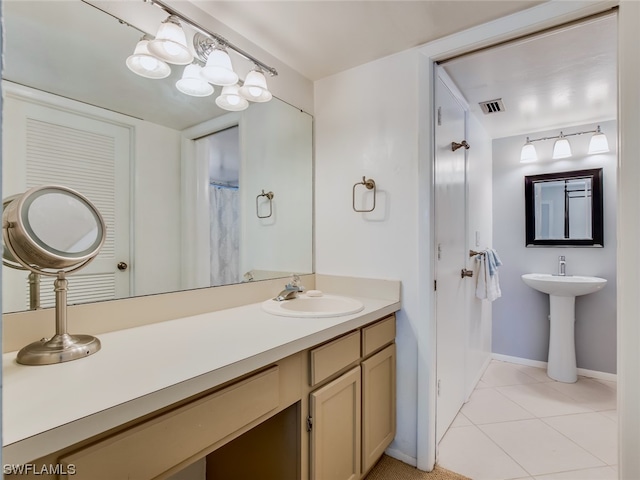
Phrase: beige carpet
(391, 469)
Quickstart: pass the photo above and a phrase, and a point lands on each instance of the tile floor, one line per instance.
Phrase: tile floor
(520, 424)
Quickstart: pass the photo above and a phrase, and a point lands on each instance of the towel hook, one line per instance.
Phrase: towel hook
(369, 184)
(270, 196)
(455, 145)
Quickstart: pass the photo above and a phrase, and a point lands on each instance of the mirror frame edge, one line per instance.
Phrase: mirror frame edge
(597, 213)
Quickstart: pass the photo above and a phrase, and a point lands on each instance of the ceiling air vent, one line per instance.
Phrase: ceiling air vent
(492, 106)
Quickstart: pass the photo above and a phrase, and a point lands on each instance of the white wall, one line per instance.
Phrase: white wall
(520, 324)
(156, 197)
(276, 149)
(366, 125)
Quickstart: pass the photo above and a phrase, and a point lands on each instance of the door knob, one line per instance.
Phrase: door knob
(122, 266)
(466, 273)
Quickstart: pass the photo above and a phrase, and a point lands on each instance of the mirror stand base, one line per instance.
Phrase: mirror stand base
(60, 348)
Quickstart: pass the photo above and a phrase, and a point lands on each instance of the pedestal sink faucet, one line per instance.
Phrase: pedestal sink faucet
(562, 266)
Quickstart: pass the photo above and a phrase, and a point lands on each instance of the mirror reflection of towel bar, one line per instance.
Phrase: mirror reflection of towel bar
(270, 196)
(369, 184)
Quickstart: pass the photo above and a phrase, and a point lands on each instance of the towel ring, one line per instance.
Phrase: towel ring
(369, 184)
(270, 196)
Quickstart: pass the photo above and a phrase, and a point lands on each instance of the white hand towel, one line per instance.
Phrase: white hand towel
(487, 281)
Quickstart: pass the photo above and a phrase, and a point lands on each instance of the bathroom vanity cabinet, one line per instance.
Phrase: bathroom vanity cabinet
(352, 418)
(327, 411)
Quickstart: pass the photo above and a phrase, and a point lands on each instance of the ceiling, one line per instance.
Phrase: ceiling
(319, 38)
(555, 79)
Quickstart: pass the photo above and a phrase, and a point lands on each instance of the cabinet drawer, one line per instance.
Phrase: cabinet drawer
(378, 335)
(334, 356)
(151, 448)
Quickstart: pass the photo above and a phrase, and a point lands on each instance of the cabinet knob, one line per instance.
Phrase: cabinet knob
(122, 266)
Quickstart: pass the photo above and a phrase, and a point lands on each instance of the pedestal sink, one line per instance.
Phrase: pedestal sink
(563, 291)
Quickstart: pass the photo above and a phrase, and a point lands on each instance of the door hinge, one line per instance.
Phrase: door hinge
(438, 392)
(435, 285)
(439, 251)
(439, 116)
(309, 423)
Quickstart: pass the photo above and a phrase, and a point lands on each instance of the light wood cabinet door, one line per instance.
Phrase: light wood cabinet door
(336, 431)
(378, 405)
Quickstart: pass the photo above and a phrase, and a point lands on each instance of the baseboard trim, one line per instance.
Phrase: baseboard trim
(612, 377)
(398, 455)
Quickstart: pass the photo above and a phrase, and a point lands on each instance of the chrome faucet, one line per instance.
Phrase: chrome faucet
(291, 289)
(562, 266)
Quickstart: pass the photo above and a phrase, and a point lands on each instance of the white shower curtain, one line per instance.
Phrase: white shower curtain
(225, 235)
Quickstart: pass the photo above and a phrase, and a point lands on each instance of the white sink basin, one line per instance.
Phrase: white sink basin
(316, 307)
(562, 290)
(569, 286)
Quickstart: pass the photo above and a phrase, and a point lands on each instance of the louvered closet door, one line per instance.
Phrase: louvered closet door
(48, 145)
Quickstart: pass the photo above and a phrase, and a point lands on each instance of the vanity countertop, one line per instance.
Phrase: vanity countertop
(140, 370)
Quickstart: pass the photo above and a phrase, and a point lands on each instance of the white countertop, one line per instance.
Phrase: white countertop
(143, 369)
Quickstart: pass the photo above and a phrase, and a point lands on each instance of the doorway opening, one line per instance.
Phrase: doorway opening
(563, 96)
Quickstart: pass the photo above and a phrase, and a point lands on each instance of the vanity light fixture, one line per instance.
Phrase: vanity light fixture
(170, 43)
(562, 147)
(528, 153)
(146, 65)
(255, 87)
(192, 83)
(207, 61)
(598, 142)
(230, 99)
(218, 69)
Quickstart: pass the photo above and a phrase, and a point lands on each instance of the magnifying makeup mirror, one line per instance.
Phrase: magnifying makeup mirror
(52, 230)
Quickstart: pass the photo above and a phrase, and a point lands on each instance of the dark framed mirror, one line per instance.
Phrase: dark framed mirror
(564, 209)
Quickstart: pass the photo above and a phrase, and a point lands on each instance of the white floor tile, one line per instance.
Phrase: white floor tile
(490, 406)
(466, 450)
(538, 448)
(611, 414)
(496, 435)
(600, 473)
(460, 421)
(588, 393)
(500, 373)
(481, 384)
(542, 400)
(540, 374)
(609, 383)
(594, 432)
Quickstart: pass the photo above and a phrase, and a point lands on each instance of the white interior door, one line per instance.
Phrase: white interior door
(48, 145)
(450, 212)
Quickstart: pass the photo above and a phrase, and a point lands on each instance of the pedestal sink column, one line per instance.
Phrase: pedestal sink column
(561, 364)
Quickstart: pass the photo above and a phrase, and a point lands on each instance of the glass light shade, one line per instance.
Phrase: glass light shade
(255, 87)
(561, 149)
(192, 82)
(218, 69)
(598, 143)
(146, 65)
(528, 153)
(231, 100)
(170, 43)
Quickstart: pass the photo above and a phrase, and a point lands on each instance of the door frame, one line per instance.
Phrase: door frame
(538, 18)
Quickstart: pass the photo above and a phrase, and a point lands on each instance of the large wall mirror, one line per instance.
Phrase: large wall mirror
(564, 209)
(181, 183)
